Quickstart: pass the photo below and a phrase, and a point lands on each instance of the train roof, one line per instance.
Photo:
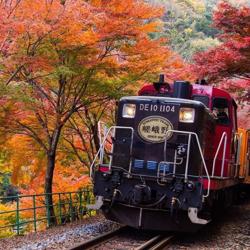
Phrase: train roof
(162, 99)
(197, 89)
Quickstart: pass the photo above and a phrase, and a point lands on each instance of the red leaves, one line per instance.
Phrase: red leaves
(243, 116)
(232, 19)
(223, 61)
(238, 88)
(231, 58)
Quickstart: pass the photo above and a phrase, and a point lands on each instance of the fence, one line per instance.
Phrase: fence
(22, 213)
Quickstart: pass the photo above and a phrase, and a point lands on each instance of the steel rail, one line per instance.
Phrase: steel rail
(156, 243)
(99, 239)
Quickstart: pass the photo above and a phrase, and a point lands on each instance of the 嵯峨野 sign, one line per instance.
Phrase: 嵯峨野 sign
(154, 129)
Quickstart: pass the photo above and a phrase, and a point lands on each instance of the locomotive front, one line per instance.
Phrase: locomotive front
(152, 176)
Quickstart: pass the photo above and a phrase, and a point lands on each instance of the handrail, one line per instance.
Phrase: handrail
(169, 162)
(223, 137)
(239, 135)
(190, 134)
(239, 147)
(101, 149)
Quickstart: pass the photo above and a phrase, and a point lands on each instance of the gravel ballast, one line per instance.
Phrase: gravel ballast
(61, 237)
(230, 231)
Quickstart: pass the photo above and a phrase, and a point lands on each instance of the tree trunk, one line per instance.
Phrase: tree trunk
(48, 188)
(95, 136)
(51, 160)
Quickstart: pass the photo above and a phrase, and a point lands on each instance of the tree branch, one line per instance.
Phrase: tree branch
(33, 134)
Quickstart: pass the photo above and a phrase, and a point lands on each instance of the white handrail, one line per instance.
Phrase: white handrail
(101, 148)
(101, 151)
(188, 152)
(223, 137)
(169, 162)
(239, 148)
(238, 153)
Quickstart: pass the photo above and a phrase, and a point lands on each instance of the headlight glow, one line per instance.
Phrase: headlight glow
(186, 115)
(128, 110)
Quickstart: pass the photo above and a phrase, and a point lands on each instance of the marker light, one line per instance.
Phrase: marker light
(103, 168)
(186, 115)
(128, 110)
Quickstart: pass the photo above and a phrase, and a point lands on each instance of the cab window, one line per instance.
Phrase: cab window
(221, 111)
(201, 98)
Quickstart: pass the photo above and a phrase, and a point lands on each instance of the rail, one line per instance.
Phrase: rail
(97, 241)
(22, 212)
(123, 235)
(156, 243)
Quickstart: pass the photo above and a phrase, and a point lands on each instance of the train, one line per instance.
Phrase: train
(174, 156)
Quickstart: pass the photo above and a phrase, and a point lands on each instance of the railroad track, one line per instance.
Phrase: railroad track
(156, 243)
(126, 238)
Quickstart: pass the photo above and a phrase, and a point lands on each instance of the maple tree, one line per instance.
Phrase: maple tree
(228, 64)
(59, 57)
(231, 58)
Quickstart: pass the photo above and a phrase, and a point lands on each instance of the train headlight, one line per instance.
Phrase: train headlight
(128, 110)
(186, 115)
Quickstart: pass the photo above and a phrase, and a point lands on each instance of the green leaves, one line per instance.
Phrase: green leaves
(185, 23)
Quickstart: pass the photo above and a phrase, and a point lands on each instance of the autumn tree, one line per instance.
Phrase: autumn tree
(60, 57)
(227, 65)
(231, 58)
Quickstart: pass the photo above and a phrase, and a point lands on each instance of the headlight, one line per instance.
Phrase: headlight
(186, 115)
(128, 110)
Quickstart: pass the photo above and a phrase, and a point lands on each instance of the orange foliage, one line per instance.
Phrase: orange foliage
(66, 179)
(25, 162)
(61, 59)
(177, 69)
(120, 25)
(28, 165)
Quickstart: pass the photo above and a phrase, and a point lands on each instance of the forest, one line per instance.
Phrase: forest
(65, 63)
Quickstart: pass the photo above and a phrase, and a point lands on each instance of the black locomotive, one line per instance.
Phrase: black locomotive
(159, 171)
